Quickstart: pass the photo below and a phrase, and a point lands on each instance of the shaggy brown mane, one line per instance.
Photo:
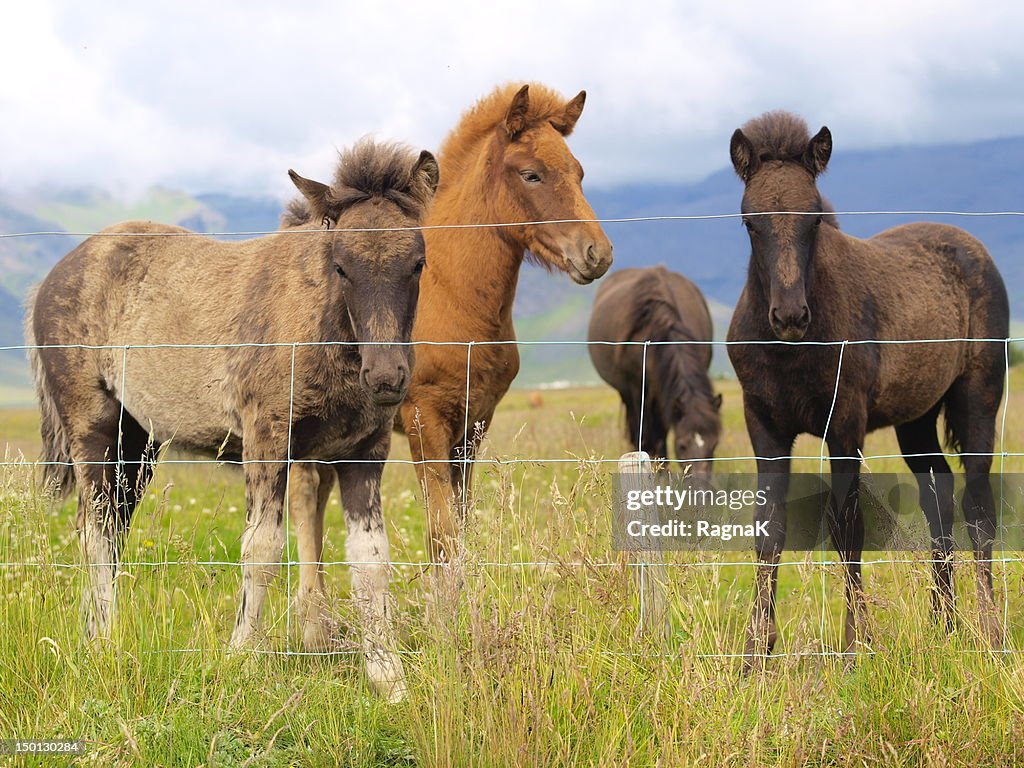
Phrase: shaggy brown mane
(477, 122)
(369, 169)
(781, 135)
(678, 368)
(778, 135)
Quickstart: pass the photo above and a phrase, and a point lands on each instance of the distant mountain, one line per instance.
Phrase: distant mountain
(238, 214)
(985, 176)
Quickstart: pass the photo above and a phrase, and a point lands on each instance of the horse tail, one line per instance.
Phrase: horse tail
(953, 442)
(58, 470)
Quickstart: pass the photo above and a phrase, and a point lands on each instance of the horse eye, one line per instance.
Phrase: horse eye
(340, 271)
(748, 224)
(418, 268)
(817, 221)
(530, 177)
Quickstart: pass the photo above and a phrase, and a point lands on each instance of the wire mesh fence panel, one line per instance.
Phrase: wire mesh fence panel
(470, 455)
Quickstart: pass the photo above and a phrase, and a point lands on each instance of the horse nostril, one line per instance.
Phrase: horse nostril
(591, 254)
(773, 316)
(805, 316)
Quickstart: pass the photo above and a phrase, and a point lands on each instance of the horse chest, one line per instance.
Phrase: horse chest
(341, 432)
(491, 371)
(796, 387)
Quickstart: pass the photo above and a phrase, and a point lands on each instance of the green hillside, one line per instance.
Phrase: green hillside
(89, 210)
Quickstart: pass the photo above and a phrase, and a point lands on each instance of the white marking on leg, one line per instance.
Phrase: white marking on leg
(99, 556)
(367, 547)
(262, 544)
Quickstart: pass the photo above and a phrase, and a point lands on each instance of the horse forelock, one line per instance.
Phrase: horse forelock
(368, 170)
(480, 120)
(778, 135)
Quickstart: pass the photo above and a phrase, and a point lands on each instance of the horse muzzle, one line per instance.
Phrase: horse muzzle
(386, 385)
(588, 260)
(790, 324)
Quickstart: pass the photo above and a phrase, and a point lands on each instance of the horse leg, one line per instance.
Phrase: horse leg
(935, 495)
(770, 445)
(366, 547)
(109, 489)
(846, 526)
(971, 410)
(430, 443)
(653, 432)
(632, 420)
(462, 471)
(650, 432)
(266, 475)
(309, 487)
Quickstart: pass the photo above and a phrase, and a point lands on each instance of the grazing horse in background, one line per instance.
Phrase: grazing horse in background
(140, 283)
(654, 304)
(505, 162)
(815, 283)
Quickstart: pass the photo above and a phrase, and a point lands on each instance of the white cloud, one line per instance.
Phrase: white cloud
(228, 95)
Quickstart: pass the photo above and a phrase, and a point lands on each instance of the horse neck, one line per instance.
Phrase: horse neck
(297, 271)
(679, 366)
(473, 271)
(829, 253)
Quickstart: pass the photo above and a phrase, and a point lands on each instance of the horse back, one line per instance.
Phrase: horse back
(617, 306)
(962, 262)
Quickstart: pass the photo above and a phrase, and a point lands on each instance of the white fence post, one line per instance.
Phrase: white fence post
(635, 473)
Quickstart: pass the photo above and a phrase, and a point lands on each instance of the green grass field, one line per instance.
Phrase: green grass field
(528, 666)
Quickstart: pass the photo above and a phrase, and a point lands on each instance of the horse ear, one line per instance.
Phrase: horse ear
(515, 118)
(427, 172)
(744, 160)
(818, 151)
(314, 192)
(565, 122)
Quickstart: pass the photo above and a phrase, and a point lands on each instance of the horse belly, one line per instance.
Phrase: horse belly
(912, 379)
(179, 396)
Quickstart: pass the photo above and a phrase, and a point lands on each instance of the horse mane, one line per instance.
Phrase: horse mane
(478, 122)
(367, 170)
(677, 367)
(828, 215)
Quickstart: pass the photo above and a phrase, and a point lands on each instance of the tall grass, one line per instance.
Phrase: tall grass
(520, 665)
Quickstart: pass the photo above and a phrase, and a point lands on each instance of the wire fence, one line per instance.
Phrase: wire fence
(467, 460)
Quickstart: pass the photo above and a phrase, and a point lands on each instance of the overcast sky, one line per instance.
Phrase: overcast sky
(226, 96)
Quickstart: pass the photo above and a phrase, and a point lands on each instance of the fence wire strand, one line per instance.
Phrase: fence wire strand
(508, 224)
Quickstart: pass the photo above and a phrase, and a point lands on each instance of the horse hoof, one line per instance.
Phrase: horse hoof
(992, 632)
(324, 636)
(753, 663)
(241, 639)
(386, 676)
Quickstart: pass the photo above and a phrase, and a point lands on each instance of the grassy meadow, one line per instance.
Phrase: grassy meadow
(531, 666)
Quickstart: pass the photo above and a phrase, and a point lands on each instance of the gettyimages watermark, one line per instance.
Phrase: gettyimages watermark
(724, 513)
